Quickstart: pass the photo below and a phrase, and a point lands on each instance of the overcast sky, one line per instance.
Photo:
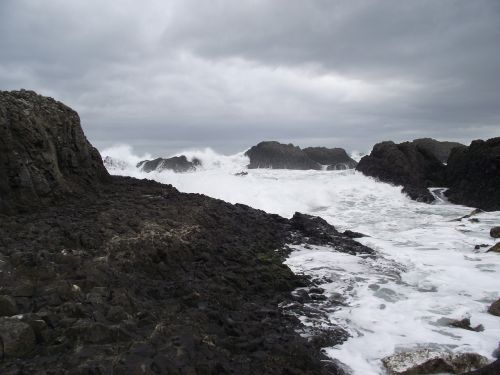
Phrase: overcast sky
(169, 75)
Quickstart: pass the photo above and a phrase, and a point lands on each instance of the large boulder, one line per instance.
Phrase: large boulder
(178, 164)
(43, 151)
(440, 149)
(335, 158)
(473, 175)
(494, 309)
(427, 361)
(404, 164)
(17, 338)
(271, 154)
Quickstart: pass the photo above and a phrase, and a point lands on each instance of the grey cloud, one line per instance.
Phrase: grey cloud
(227, 74)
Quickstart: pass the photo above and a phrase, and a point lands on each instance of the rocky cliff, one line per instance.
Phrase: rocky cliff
(473, 175)
(404, 164)
(44, 154)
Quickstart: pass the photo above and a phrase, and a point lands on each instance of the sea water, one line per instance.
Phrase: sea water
(427, 266)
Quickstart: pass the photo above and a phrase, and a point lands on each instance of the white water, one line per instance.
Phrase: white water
(427, 269)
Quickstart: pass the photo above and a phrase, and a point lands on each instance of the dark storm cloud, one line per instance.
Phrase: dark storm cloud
(227, 74)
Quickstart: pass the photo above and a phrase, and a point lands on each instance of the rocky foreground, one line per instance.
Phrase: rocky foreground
(113, 275)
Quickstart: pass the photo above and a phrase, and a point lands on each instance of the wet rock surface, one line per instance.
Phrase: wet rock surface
(495, 232)
(494, 308)
(461, 323)
(427, 361)
(473, 175)
(178, 164)
(404, 164)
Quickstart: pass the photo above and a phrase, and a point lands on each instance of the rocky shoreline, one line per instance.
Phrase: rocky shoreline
(103, 274)
(112, 275)
(142, 276)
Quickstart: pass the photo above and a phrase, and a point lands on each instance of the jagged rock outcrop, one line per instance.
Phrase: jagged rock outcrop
(404, 164)
(43, 152)
(131, 276)
(335, 158)
(178, 164)
(271, 154)
(427, 361)
(473, 175)
(440, 149)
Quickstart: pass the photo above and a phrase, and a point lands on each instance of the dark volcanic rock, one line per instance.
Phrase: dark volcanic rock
(473, 175)
(279, 156)
(17, 338)
(43, 151)
(316, 231)
(427, 361)
(494, 309)
(491, 369)
(440, 149)
(404, 164)
(177, 164)
(139, 278)
(335, 158)
(144, 266)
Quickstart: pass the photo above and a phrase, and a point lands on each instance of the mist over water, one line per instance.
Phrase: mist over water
(428, 268)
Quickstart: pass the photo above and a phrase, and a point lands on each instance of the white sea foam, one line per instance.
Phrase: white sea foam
(428, 268)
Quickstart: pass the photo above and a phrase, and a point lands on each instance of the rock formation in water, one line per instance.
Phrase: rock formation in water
(473, 175)
(440, 149)
(271, 154)
(334, 158)
(127, 276)
(178, 164)
(428, 361)
(404, 164)
(44, 154)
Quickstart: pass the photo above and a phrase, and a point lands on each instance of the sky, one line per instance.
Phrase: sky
(163, 76)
